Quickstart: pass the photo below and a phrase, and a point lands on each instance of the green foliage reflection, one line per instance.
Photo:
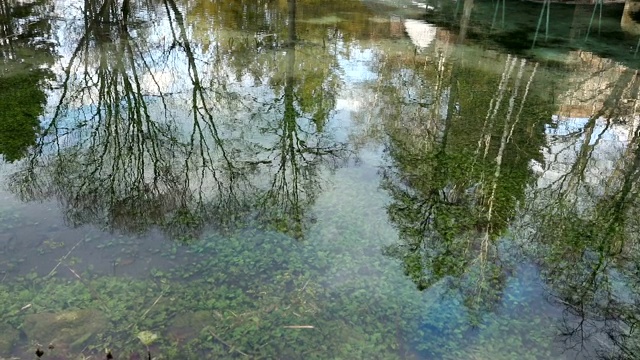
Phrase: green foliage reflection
(22, 82)
(457, 175)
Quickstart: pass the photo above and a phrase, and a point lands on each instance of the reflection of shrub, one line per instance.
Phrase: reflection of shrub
(184, 225)
(22, 102)
(135, 213)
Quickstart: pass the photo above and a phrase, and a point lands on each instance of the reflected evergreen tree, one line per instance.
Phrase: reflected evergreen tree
(26, 55)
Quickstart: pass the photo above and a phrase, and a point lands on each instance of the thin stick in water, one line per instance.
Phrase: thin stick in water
(63, 259)
(227, 344)
(299, 327)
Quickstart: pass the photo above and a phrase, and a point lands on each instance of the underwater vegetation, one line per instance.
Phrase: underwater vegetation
(274, 298)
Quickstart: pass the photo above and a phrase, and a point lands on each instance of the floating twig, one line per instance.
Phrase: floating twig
(150, 307)
(305, 285)
(74, 273)
(299, 327)
(154, 303)
(63, 259)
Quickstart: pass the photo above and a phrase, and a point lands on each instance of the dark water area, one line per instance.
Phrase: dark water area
(546, 33)
(295, 179)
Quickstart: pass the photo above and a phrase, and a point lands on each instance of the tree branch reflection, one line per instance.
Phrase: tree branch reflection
(301, 148)
(459, 151)
(580, 224)
(133, 145)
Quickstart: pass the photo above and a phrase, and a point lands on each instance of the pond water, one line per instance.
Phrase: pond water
(282, 179)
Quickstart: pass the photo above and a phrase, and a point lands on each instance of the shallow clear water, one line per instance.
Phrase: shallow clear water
(318, 179)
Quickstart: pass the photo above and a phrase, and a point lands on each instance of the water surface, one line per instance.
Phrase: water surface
(318, 179)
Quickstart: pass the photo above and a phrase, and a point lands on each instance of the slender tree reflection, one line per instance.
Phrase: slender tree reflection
(459, 148)
(300, 148)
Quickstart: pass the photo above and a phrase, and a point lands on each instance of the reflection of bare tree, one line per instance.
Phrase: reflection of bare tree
(107, 155)
(299, 153)
(609, 110)
(588, 274)
(581, 225)
(134, 142)
(206, 150)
